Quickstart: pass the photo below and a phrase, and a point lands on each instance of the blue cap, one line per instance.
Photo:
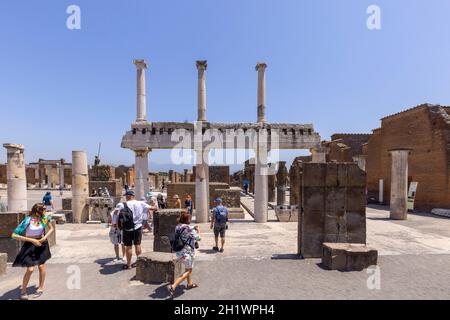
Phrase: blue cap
(129, 193)
(219, 200)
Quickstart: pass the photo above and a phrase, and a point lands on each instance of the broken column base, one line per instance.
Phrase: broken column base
(3, 261)
(157, 267)
(286, 213)
(348, 256)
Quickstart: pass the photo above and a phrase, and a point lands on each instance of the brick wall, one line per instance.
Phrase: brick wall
(426, 130)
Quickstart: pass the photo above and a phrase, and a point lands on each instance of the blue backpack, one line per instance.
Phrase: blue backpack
(221, 215)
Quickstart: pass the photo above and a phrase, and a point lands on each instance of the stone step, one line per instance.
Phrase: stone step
(348, 256)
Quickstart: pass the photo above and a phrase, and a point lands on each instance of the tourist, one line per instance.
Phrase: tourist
(132, 213)
(161, 201)
(35, 250)
(176, 202)
(219, 219)
(185, 243)
(246, 188)
(115, 235)
(94, 193)
(48, 201)
(188, 204)
(61, 190)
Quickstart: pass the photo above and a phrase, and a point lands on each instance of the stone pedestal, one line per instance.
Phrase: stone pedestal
(164, 223)
(80, 186)
(16, 177)
(348, 257)
(8, 223)
(281, 183)
(399, 184)
(157, 267)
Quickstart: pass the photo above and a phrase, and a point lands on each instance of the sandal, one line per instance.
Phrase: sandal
(38, 294)
(221, 250)
(192, 286)
(216, 248)
(171, 291)
(24, 296)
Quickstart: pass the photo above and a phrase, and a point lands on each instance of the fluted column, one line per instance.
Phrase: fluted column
(80, 186)
(16, 177)
(141, 184)
(261, 68)
(141, 101)
(399, 184)
(201, 100)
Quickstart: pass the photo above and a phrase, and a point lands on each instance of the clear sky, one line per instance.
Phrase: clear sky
(64, 90)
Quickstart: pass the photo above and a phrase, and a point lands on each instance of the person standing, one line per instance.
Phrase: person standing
(48, 201)
(115, 235)
(184, 246)
(176, 202)
(35, 250)
(188, 204)
(219, 219)
(131, 216)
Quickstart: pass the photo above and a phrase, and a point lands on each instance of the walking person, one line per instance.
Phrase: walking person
(35, 250)
(115, 235)
(48, 201)
(132, 213)
(188, 204)
(219, 219)
(184, 245)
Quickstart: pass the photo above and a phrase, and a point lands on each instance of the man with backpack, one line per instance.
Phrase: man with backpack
(131, 217)
(219, 219)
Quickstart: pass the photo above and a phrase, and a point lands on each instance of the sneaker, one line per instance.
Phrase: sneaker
(216, 248)
(221, 250)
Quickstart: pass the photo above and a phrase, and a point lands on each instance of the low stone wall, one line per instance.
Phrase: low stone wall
(182, 189)
(231, 197)
(164, 223)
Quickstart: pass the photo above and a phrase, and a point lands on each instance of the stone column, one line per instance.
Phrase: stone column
(141, 185)
(201, 100)
(157, 181)
(61, 175)
(399, 184)
(272, 184)
(261, 179)
(360, 160)
(318, 154)
(80, 187)
(171, 176)
(186, 175)
(201, 187)
(281, 183)
(16, 177)
(261, 68)
(141, 103)
(48, 174)
(381, 191)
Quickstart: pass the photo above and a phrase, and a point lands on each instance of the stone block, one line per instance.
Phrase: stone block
(231, 197)
(8, 223)
(348, 257)
(3, 261)
(67, 203)
(236, 213)
(157, 267)
(164, 223)
(68, 215)
(10, 247)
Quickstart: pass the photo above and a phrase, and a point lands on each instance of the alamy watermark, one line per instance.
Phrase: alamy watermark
(374, 19)
(73, 21)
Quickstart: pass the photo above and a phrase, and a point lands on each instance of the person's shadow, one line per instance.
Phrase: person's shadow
(163, 293)
(14, 294)
(107, 267)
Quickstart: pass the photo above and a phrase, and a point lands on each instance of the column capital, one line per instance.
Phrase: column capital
(261, 66)
(201, 64)
(14, 146)
(140, 63)
(142, 152)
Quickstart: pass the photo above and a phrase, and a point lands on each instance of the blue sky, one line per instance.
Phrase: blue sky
(64, 90)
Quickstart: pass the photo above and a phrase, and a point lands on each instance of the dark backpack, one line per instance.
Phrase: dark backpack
(126, 220)
(221, 215)
(178, 243)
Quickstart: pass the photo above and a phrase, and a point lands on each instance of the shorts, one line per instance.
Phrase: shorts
(132, 237)
(187, 260)
(220, 230)
(115, 236)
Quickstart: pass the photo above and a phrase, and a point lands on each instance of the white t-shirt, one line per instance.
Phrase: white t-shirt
(115, 215)
(139, 209)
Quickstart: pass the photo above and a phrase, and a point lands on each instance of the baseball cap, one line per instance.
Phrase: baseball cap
(129, 193)
(219, 200)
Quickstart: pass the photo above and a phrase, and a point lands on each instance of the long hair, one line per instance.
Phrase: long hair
(38, 209)
(184, 218)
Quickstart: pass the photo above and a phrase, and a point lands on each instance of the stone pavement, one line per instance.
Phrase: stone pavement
(259, 262)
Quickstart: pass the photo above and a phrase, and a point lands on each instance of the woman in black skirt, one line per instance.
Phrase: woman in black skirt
(35, 249)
